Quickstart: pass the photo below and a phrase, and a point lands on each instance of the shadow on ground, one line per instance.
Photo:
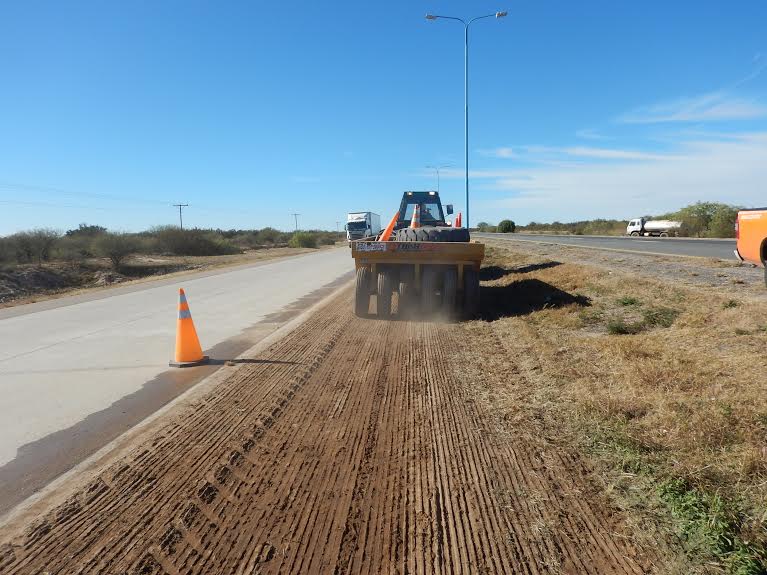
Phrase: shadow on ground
(524, 297)
(491, 273)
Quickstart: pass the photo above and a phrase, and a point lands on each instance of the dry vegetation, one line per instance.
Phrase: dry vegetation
(664, 386)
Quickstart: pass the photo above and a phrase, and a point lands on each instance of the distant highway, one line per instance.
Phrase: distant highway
(721, 249)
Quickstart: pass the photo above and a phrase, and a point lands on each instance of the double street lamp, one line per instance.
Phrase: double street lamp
(466, 25)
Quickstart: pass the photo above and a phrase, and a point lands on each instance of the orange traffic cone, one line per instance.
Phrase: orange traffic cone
(415, 221)
(188, 350)
(389, 229)
(457, 220)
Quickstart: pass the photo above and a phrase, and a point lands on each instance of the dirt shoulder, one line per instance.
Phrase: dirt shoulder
(30, 283)
(729, 277)
(352, 445)
(658, 377)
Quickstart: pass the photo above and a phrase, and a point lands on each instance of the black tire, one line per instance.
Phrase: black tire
(664, 234)
(634, 234)
(432, 234)
(470, 293)
(449, 292)
(406, 296)
(385, 290)
(362, 292)
(429, 284)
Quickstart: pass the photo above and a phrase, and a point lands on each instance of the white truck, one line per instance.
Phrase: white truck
(658, 228)
(362, 225)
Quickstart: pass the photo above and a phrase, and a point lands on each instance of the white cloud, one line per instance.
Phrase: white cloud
(609, 154)
(503, 153)
(715, 106)
(730, 170)
(590, 134)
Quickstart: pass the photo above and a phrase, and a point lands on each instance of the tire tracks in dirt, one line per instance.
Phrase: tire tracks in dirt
(351, 447)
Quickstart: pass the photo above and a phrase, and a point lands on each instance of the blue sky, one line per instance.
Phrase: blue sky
(250, 111)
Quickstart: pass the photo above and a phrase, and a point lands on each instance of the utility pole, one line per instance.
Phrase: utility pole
(296, 218)
(337, 224)
(180, 217)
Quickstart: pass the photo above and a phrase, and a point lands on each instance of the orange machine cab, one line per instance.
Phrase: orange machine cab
(751, 231)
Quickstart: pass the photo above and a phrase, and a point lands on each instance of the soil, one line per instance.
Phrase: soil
(352, 445)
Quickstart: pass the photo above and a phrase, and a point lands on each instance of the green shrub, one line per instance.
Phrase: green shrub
(194, 242)
(660, 316)
(116, 247)
(619, 326)
(303, 240)
(506, 227)
(628, 300)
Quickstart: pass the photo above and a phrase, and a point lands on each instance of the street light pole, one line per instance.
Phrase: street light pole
(466, 87)
(437, 169)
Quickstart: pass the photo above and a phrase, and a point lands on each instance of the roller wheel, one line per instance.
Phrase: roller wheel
(385, 290)
(449, 291)
(429, 284)
(362, 292)
(432, 234)
(406, 291)
(470, 293)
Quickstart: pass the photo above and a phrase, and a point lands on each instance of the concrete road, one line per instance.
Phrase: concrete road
(62, 361)
(721, 249)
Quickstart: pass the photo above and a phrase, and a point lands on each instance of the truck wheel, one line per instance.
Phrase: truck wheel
(432, 234)
(362, 292)
(429, 280)
(449, 291)
(470, 293)
(406, 291)
(385, 289)
(664, 234)
(634, 234)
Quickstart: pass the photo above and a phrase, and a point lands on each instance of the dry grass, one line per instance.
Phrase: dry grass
(665, 386)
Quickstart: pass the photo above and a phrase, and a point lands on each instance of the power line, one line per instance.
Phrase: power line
(180, 217)
(296, 218)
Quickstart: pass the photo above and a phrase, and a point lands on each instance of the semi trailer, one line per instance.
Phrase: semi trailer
(362, 225)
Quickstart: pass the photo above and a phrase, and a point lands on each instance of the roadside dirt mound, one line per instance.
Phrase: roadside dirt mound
(351, 446)
(28, 280)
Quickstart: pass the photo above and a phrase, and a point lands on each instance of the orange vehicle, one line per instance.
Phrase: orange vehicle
(751, 231)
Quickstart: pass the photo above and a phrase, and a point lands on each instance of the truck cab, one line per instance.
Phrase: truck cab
(635, 227)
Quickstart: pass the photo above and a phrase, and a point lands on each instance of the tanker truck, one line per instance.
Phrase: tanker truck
(656, 228)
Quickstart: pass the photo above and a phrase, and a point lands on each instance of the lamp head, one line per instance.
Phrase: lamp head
(431, 17)
(501, 14)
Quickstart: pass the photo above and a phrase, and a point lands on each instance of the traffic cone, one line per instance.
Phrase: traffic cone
(188, 350)
(457, 220)
(389, 229)
(415, 221)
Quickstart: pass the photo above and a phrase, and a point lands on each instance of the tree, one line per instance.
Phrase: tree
(506, 227)
(485, 227)
(86, 230)
(116, 247)
(722, 223)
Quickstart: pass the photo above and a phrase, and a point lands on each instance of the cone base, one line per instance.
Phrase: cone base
(205, 359)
